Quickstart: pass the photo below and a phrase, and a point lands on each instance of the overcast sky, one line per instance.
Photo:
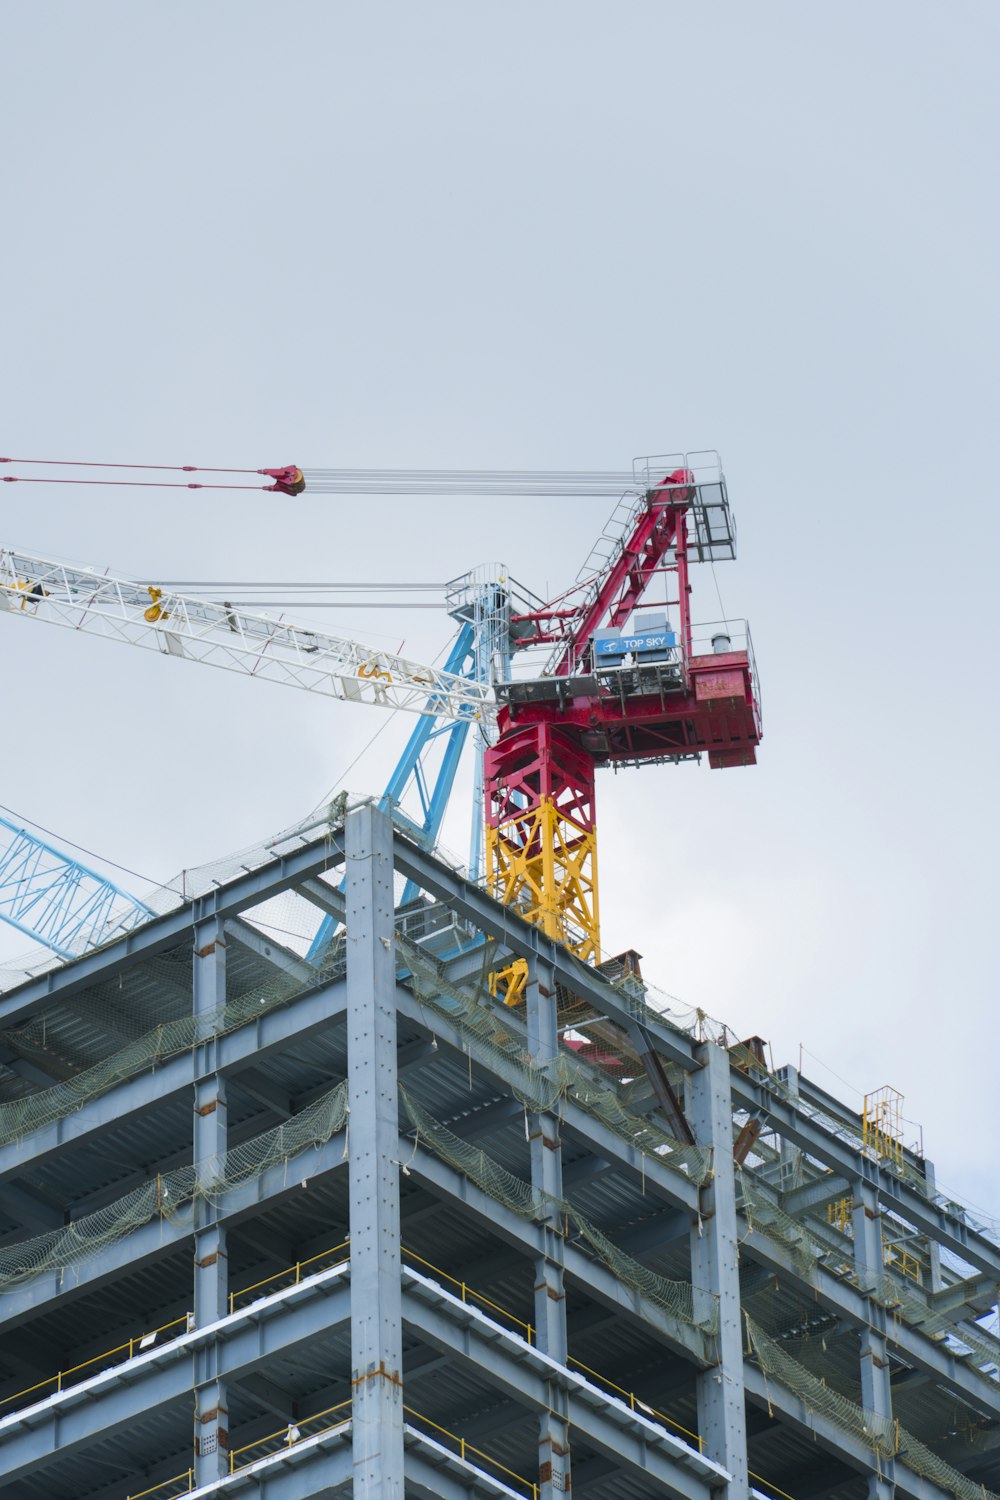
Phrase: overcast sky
(555, 235)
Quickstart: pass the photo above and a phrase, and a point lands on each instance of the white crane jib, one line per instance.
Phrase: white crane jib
(223, 635)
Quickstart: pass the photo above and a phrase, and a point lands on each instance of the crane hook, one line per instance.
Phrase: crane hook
(155, 611)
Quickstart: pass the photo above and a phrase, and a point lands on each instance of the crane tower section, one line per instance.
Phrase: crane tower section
(620, 687)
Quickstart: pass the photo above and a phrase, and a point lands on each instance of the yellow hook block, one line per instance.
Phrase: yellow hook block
(155, 611)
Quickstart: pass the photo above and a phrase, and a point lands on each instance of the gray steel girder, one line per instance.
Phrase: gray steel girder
(523, 1372)
(160, 1236)
(123, 1395)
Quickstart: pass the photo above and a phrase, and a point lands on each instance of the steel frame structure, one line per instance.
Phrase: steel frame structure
(293, 1365)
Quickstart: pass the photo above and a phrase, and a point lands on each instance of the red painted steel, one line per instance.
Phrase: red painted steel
(716, 714)
(535, 763)
(660, 527)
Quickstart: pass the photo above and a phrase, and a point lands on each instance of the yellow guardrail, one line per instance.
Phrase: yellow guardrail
(63, 1379)
(295, 1272)
(467, 1294)
(635, 1402)
(773, 1488)
(289, 1435)
(464, 1448)
(186, 1478)
(294, 1432)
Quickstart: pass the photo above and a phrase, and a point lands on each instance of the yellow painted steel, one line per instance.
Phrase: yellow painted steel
(882, 1125)
(290, 1434)
(548, 873)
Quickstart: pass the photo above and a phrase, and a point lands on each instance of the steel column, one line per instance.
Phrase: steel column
(211, 1281)
(791, 1155)
(376, 1314)
(876, 1392)
(715, 1271)
(550, 1296)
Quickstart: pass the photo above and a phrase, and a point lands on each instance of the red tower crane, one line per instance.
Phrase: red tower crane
(616, 689)
(607, 697)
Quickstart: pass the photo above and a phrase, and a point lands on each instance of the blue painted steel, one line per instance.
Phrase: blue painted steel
(619, 645)
(412, 772)
(58, 901)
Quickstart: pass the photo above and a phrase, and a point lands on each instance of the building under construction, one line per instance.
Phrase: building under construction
(336, 1169)
(293, 1228)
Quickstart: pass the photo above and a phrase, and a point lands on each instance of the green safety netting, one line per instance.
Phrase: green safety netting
(19, 1117)
(765, 1215)
(676, 1298)
(540, 1085)
(876, 1432)
(902, 1300)
(886, 1439)
(166, 1195)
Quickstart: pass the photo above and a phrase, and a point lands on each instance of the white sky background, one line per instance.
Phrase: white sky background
(545, 236)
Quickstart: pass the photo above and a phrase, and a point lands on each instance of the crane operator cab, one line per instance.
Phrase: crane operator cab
(639, 659)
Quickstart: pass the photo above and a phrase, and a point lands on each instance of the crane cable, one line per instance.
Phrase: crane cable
(289, 479)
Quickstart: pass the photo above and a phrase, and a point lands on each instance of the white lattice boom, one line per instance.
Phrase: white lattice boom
(222, 635)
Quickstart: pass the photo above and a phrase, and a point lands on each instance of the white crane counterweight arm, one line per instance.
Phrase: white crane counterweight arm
(221, 635)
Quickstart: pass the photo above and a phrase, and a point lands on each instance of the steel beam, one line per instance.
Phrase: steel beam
(637, 1444)
(376, 1320)
(523, 940)
(677, 1189)
(157, 1238)
(592, 1276)
(839, 1296)
(549, 1292)
(847, 1161)
(715, 1272)
(281, 873)
(211, 1273)
(876, 1393)
(295, 1021)
(71, 1420)
(435, 1472)
(836, 1440)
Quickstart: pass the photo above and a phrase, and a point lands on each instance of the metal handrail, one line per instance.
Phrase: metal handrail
(297, 1268)
(59, 1380)
(186, 1476)
(636, 1403)
(465, 1447)
(291, 1434)
(466, 1293)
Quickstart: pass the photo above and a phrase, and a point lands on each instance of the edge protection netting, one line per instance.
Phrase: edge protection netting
(676, 1298)
(19, 1117)
(884, 1436)
(540, 1086)
(166, 1195)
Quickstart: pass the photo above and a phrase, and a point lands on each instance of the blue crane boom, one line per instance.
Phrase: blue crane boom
(55, 899)
(61, 903)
